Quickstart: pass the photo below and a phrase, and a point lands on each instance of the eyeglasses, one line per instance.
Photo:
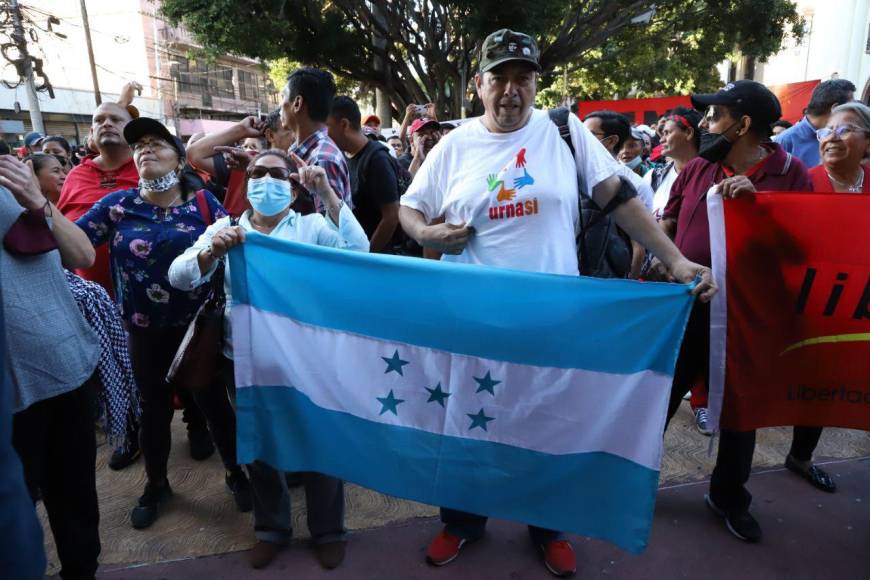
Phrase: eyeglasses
(840, 132)
(259, 171)
(152, 146)
(712, 115)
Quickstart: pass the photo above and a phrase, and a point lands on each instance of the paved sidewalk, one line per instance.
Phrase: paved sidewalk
(807, 534)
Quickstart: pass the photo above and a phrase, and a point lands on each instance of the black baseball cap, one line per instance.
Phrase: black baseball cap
(138, 128)
(506, 45)
(749, 97)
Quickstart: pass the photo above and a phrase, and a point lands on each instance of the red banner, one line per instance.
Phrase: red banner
(793, 98)
(790, 329)
(640, 111)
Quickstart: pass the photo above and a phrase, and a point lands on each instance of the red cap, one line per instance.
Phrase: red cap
(371, 118)
(420, 123)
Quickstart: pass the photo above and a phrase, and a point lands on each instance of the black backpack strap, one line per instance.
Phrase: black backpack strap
(559, 117)
(586, 205)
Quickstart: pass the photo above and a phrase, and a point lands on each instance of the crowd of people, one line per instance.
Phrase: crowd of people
(123, 242)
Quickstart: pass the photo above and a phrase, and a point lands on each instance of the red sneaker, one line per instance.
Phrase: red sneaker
(559, 558)
(444, 548)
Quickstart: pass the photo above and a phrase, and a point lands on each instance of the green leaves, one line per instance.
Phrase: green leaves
(432, 47)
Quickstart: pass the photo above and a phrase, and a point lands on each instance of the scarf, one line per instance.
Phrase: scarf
(119, 396)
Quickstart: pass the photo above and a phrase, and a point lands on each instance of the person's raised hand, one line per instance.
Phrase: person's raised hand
(410, 113)
(446, 238)
(235, 157)
(311, 177)
(419, 146)
(225, 239)
(128, 93)
(18, 177)
(251, 127)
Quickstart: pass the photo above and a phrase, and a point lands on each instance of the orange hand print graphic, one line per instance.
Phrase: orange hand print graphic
(505, 194)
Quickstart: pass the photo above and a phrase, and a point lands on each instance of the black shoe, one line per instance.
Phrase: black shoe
(742, 525)
(122, 458)
(330, 555)
(201, 445)
(145, 514)
(239, 486)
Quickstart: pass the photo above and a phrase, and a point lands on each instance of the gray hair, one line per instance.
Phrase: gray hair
(858, 109)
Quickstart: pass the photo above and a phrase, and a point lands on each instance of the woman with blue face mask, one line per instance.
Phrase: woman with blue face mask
(272, 178)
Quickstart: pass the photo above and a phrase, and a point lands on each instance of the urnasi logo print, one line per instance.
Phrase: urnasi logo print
(861, 309)
(506, 184)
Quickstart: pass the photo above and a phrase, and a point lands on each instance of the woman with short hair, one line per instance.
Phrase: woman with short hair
(843, 145)
(271, 194)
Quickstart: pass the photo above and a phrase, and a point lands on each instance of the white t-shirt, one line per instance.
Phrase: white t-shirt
(518, 190)
(663, 192)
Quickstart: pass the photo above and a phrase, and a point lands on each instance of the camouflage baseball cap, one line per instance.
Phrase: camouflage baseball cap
(506, 45)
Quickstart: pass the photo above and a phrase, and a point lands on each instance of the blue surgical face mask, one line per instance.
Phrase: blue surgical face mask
(269, 196)
(634, 162)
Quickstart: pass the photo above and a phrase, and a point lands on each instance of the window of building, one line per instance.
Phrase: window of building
(248, 85)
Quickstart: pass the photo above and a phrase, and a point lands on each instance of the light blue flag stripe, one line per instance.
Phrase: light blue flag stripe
(593, 494)
(612, 326)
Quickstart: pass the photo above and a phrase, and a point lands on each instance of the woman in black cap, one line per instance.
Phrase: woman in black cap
(146, 229)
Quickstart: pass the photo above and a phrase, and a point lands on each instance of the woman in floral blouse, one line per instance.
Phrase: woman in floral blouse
(146, 229)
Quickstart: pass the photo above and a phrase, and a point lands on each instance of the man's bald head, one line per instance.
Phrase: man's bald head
(108, 126)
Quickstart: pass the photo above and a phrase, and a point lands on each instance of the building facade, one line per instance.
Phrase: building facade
(188, 92)
(836, 44)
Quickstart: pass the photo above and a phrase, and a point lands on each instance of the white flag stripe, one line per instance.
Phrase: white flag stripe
(618, 414)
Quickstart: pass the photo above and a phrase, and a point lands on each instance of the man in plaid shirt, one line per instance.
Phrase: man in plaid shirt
(307, 101)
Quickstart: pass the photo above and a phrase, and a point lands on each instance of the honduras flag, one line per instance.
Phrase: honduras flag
(531, 397)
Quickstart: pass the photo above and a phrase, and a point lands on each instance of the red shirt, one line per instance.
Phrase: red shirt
(85, 185)
(687, 204)
(822, 183)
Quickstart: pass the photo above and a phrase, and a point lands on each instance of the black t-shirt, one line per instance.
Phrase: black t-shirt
(405, 159)
(377, 187)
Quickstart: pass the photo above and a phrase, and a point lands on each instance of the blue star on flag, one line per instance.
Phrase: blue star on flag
(486, 384)
(479, 419)
(394, 363)
(389, 403)
(437, 395)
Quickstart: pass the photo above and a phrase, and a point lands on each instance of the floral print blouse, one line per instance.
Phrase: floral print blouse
(143, 240)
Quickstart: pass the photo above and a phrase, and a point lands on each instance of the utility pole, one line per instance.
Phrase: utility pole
(21, 43)
(87, 28)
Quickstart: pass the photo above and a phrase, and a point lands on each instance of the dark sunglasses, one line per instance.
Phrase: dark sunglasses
(258, 172)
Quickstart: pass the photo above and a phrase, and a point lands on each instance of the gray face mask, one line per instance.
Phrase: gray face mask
(159, 184)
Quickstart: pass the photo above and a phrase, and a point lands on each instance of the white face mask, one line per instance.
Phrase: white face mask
(634, 162)
(159, 184)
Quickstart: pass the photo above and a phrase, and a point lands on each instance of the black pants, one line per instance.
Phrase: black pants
(734, 460)
(152, 351)
(804, 442)
(56, 442)
(472, 526)
(736, 448)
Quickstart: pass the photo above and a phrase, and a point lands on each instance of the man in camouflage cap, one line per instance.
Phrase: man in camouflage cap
(502, 190)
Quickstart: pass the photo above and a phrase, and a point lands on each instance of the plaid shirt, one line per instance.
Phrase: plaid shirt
(319, 149)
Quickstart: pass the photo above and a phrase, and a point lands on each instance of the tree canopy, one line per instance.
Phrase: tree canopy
(430, 47)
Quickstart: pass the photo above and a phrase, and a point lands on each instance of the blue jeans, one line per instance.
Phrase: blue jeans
(471, 527)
